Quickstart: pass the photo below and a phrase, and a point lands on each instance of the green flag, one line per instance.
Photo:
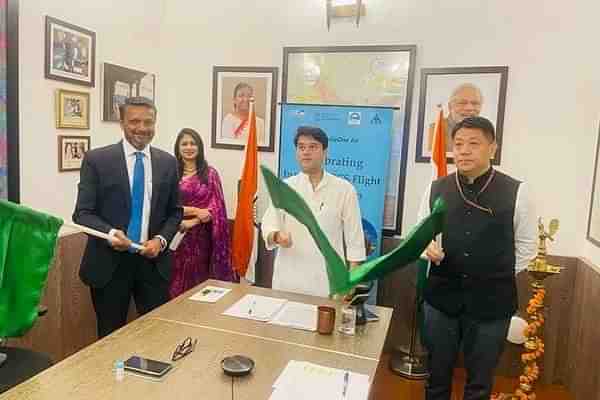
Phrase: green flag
(27, 244)
(340, 279)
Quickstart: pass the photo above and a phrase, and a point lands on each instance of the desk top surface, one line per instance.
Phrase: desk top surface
(368, 341)
(89, 373)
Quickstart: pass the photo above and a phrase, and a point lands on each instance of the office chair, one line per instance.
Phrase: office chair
(27, 245)
(18, 364)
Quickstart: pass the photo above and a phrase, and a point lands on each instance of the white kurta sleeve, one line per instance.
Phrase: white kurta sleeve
(525, 226)
(270, 223)
(424, 211)
(353, 232)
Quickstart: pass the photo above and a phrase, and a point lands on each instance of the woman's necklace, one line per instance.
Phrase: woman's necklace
(189, 171)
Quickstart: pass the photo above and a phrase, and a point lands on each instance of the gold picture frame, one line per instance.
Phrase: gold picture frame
(72, 109)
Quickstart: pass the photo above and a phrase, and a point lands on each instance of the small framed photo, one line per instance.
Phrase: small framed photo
(462, 92)
(119, 83)
(72, 109)
(70, 54)
(232, 89)
(71, 150)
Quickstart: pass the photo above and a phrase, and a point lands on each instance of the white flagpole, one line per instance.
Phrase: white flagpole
(98, 234)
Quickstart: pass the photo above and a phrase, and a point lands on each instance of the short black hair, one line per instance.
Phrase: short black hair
(313, 131)
(136, 101)
(481, 123)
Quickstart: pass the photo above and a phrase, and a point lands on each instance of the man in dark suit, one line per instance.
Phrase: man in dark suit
(130, 191)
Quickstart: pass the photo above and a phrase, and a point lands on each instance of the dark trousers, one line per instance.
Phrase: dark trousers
(481, 342)
(136, 277)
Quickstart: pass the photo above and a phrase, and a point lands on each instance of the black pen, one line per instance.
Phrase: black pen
(346, 378)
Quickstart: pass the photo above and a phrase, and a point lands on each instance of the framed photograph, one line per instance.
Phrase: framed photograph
(9, 101)
(360, 76)
(119, 83)
(72, 109)
(593, 231)
(71, 150)
(232, 89)
(70, 53)
(462, 92)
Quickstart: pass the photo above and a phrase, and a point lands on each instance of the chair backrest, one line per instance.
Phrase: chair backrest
(27, 246)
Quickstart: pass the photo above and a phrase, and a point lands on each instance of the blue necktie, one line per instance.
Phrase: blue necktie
(134, 230)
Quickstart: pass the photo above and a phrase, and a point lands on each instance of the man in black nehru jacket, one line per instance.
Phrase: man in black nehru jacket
(471, 293)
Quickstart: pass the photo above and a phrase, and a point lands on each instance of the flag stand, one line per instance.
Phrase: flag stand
(408, 364)
(411, 365)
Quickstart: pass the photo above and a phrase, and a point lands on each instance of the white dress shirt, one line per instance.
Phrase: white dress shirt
(301, 268)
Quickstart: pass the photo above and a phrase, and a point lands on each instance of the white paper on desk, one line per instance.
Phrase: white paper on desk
(176, 240)
(210, 294)
(297, 315)
(258, 308)
(305, 380)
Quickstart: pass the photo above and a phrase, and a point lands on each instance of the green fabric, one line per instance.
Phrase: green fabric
(340, 280)
(27, 244)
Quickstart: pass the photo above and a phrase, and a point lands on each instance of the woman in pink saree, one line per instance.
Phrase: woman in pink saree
(204, 252)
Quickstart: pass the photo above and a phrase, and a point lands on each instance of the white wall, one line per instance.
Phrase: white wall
(553, 90)
(553, 86)
(127, 33)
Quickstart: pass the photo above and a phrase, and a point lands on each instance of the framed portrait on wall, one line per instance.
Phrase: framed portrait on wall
(461, 92)
(9, 101)
(593, 231)
(119, 83)
(72, 109)
(70, 53)
(71, 150)
(360, 76)
(232, 89)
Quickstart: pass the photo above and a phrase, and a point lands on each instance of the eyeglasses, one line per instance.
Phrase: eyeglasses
(184, 348)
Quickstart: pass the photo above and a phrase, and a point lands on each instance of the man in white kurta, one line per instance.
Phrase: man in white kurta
(299, 266)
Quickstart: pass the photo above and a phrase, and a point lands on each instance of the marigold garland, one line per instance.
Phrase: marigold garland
(534, 346)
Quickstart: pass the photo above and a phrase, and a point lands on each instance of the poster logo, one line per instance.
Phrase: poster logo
(354, 118)
(376, 120)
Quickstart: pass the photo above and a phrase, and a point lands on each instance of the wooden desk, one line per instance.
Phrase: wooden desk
(368, 341)
(88, 374)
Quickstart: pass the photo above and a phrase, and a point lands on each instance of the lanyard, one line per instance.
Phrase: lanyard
(472, 203)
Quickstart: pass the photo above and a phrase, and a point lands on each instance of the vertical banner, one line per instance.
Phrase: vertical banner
(359, 151)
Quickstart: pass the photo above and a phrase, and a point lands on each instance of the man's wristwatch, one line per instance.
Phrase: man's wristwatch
(163, 242)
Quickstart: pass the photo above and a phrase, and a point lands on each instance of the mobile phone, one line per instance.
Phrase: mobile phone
(147, 366)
